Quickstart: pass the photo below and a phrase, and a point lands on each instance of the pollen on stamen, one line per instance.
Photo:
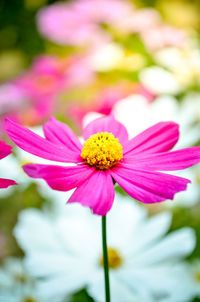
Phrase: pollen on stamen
(102, 150)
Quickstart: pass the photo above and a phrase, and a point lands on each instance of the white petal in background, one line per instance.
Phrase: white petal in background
(68, 251)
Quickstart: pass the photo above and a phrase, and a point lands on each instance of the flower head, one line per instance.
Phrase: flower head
(5, 150)
(68, 255)
(79, 22)
(40, 84)
(16, 285)
(107, 154)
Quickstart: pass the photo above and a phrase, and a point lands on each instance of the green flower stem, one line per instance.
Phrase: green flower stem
(105, 260)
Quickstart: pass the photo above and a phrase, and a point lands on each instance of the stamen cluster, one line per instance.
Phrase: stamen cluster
(102, 150)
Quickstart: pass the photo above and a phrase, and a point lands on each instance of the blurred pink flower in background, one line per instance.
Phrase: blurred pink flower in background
(79, 71)
(140, 20)
(80, 22)
(33, 96)
(104, 11)
(105, 101)
(11, 97)
(12, 100)
(62, 24)
(163, 35)
(102, 103)
(5, 150)
(40, 83)
(50, 74)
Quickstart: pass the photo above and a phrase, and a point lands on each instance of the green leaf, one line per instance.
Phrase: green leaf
(81, 296)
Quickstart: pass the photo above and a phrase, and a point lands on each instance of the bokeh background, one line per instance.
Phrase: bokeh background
(80, 59)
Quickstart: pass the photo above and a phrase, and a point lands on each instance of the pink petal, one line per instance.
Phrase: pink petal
(60, 133)
(97, 192)
(166, 161)
(39, 146)
(106, 124)
(148, 186)
(58, 177)
(158, 138)
(4, 183)
(5, 150)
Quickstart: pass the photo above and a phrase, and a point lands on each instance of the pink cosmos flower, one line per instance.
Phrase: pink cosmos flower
(5, 150)
(106, 155)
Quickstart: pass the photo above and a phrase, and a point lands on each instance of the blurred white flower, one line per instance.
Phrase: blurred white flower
(189, 288)
(106, 57)
(56, 198)
(113, 56)
(191, 196)
(65, 251)
(191, 108)
(184, 63)
(25, 157)
(15, 283)
(137, 114)
(159, 80)
(10, 168)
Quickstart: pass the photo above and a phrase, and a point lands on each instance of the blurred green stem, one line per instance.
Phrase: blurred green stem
(105, 260)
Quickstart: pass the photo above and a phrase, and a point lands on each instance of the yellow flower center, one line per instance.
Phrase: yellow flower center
(29, 300)
(102, 150)
(198, 178)
(197, 277)
(114, 259)
(20, 278)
